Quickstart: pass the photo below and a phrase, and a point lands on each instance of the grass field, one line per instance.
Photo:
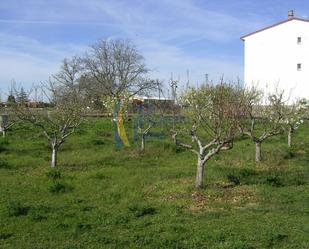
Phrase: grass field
(102, 197)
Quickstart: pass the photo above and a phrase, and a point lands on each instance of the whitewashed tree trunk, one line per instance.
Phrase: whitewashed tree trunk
(199, 173)
(257, 151)
(290, 132)
(54, 156)
(3, 133)
(143, 142)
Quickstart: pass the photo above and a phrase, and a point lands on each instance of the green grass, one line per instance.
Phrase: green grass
(103, 197)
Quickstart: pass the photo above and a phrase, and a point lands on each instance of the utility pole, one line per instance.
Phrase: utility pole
(206, 78)
(188, 79)
(173, 85)
(36, 94)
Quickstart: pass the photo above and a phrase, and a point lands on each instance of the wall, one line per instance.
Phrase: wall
(271, 59)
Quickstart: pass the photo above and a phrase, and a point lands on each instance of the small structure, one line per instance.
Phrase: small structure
(277, 56)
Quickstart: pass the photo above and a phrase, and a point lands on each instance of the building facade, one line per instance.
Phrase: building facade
(278, 57)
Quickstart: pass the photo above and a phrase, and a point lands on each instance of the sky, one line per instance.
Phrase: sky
(174, 36)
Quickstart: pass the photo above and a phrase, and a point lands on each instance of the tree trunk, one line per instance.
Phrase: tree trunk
(3, 133)
(290, 131)
(199, 174)
(257, 151)
(54, 157)
(143, 142)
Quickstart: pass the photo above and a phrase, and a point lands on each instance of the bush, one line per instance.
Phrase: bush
(17, 209)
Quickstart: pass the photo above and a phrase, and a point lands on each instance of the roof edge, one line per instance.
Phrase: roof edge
(274, 25)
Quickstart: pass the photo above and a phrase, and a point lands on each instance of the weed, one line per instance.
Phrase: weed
(39, 213)
(4, 164)
(288, 155)
(59, 187)
(274, 180)
(233, 178)
(54, 174)
(100, 176)
(142, 210)
(97, 141)
(16, 208)
(4, 236)
(276, 239)
(2, 148)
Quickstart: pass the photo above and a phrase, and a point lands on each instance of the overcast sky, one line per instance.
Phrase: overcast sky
(172, 35)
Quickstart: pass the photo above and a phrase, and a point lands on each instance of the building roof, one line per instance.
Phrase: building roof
(274, 25)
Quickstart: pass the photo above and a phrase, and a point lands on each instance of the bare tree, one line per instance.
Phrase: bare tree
(144, 122)
(145, 132)
(6, 122)
(213, 112)
(264, 116)
(294, 117)
(115, 68)
(61, 120)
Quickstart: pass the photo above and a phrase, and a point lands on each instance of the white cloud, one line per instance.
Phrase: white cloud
(160, 29)
(29, 61)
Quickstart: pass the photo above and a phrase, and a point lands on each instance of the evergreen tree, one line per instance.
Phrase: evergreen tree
(22, 96)
(11, 99)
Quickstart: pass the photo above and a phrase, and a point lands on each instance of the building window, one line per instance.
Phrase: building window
(299, 40)
(299, 67)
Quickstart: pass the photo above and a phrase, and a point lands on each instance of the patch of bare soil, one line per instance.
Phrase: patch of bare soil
(240, 196)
